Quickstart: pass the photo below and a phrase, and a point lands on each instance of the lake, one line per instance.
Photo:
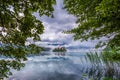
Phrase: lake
(64, 66)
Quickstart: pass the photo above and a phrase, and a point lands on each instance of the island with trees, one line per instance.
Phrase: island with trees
(59, 49)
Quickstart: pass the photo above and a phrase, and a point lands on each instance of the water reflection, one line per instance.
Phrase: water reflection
(66, 66)
(60, 53)
(102, 69)
(51, 67)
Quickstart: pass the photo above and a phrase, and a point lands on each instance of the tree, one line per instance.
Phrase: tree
(96, 19)
(17, 23)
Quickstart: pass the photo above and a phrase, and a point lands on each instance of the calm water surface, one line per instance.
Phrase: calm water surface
(53, 66)
(67, 66)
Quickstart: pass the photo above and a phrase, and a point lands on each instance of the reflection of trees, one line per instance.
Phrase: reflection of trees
(60, 53)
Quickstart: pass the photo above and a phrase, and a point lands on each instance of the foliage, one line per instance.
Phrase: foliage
(13, 56)
(103, 65)
(17, 23)
(19, 52)
(60, 49)
(107, 78)
(6, 65)
(96, 19)
(111, 54)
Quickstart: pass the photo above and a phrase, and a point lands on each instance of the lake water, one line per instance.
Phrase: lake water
(53, 66)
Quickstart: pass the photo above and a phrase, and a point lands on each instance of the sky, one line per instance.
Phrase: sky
(54, 27)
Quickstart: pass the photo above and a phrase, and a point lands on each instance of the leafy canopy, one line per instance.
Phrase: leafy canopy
(96, 19)
(17, 23)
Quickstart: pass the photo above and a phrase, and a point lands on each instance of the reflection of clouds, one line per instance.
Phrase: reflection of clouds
(65, 69)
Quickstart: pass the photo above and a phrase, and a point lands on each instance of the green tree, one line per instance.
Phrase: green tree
(96, 19)
(17, 23)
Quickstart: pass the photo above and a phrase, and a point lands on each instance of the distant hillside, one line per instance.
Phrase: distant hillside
(78, 47)
(50, 45)
(46, 49)
(56, 44)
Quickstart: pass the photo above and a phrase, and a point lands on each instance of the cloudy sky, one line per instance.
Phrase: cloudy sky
(61, 21)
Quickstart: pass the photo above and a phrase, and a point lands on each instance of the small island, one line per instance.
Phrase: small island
(60, 49)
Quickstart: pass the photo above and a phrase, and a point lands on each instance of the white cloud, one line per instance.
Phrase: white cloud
(61, 21)
(85, 43)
